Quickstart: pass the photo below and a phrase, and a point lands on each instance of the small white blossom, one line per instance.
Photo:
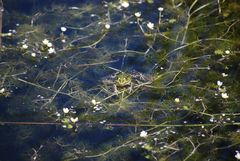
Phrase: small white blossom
(160, 9)
(74, 8)
(24, 46)
(94, 102)
(137, 14)
(143, 134)
(33, 54)
(198, 99)
(2, 90)
(102, 122)
(227, 52)
(219, 83)
(222, 89)
(65, 110)
(45, 41)
(225, 95)
(150, 25)
(74, 120)
(211, 119)
(125, 4)
(51, 50)
(97, 108)
(9, 34)
(177, 100)
(63, 29)
(58, 114)
(107, 26)
(49, 44)
(237, 155)
(224, 74)
(63, 40)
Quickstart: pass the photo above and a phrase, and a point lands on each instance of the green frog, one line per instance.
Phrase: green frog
(121, 82)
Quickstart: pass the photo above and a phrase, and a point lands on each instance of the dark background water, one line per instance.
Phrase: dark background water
(18, 142)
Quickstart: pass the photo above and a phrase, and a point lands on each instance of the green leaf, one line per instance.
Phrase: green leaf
(150, 1)
(218, 52)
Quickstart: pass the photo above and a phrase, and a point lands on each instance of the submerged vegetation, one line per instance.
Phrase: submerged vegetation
(120, 80)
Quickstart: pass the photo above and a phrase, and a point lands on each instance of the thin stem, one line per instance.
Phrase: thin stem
(170, 125)
(1, 19)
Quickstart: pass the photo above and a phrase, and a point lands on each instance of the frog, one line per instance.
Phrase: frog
(125, 82)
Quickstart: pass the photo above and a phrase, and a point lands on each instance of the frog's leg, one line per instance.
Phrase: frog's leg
(115, 90)
(131, 87)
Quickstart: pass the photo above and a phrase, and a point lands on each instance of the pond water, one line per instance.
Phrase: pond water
(121, 80)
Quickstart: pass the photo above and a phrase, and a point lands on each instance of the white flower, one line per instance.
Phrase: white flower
(45, 41)
(211, 119)
(51, 50)
(224, 74)
(33, 55)
(219, 83)
(177, 100)
(150, 25)
(125, 4)
(225, 95)
(73, 8)
(9, 34)
(74, 120)
(63, 29)
(102, 122)
(227, 52)
(198, 99)
(97, 108)
(49, 45)
(94, 102)
(222, 90)
(2, 90)
(107, 26)
(24, 46)
(160, 9)
(63, 40)
(143, 134)
(65, 110)
(237, 155)
(137, 14)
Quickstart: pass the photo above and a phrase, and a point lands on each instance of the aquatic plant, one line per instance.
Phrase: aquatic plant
(120, 80)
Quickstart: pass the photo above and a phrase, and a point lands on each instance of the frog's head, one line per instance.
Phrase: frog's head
(123, 79)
